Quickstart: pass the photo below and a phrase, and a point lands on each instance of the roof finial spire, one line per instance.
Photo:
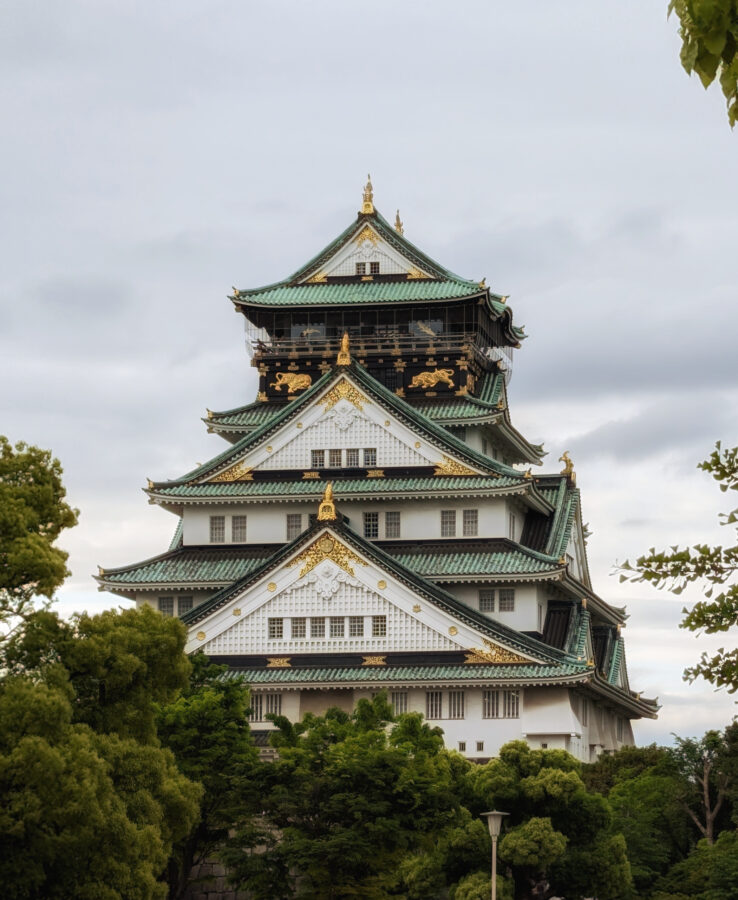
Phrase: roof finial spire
(367, 207)
(327, 508)
(344, 357)
(398, 224)
(568, 469)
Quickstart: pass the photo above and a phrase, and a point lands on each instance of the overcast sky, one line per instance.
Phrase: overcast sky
(155, 154)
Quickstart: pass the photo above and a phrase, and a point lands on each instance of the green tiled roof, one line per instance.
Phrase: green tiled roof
(361, 293)
(393, 674)
(207, 565)
(358, 487)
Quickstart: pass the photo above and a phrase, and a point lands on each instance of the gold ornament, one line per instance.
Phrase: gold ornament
(382, 584)
(398, 224)
(239, 472)
(327, 508)
(318, 278)
(327, 547)
(344, 357)
(431, 379)
(201, 635)
(493, 653)
(344, 390)
(568, 469)
(294, 381)
(271, 586)
(449, 466)
(367, 205)
(374, 660)
(453, 630)
(279, 662)
(415, 274)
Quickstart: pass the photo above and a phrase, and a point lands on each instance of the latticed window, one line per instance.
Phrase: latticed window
(217, 529)
(361, 268)
(399, 702)
(470, 522)
(507, 600)
(486, 600)
(462, 746)
(166, 606)
(352, 458)
(317, 627)
(184, 604)
(433, 704)
(276, 629)
(334, 459)
(500, 704)
(273, 704)
(238, 529)
(371, 525)
(511, 704)
(392, 524)
(480, 746)
(298, 627)
(317, 459)
(356, 626)
(448, 523)
(257, 708)
(294, 525)
(374, 268)
(338, 626)
(456, 704)
(490, 705)
(379, 626)
(370, 457)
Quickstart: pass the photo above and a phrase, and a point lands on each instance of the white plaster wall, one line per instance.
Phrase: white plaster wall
(548, 712)
(528, 598)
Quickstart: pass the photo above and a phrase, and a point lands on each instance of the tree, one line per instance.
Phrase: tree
(709, 33)
(712, 567)
(207, 729)
(33, 513)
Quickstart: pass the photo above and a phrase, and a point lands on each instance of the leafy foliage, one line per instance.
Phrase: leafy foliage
(713, 567)
(709, 33)
(33, 513)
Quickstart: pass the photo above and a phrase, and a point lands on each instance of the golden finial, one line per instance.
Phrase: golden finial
(100, 570)
(327, 508)
(483, 282)
(209, 412)
(568, 469)
(398, 224)
(344, 357)
(367, 207)
(150, 483)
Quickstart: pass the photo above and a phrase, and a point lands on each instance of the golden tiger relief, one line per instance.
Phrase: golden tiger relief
(431, 379)
(294, 381)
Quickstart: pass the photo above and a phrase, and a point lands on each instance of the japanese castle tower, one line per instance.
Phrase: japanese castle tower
(375, 523)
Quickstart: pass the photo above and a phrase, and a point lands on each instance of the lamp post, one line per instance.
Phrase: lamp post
(494, 823)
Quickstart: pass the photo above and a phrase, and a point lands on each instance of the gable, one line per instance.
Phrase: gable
(342, 416)
(367, 246)
(328, 578)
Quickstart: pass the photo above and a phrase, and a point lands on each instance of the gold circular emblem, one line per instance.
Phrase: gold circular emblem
(201, 635)
(453, 630)
(326, 545)
(272, 586)
(269, 449)
(236, 612)
(382, 584)
(416, 608)
(299, 424)
(417, 445)
(386, 422)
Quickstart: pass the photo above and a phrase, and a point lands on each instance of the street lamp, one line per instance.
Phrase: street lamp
(494, 823)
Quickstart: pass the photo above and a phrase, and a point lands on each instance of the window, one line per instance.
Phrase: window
(448, 523)
(361, 268)
(486, 601)
(470, 522)
(257, 708)
(276, 629)
(317, 459)
(500, 704)
(480, 746)
(334, 459)
(356, 626)
(399, 702)
(238, 529)
(338, 627)
(544, 745)
(392, 524)
(352, 458)
(462, 746)
(294, 525)
(298, 628)
(184, 604)
(456, 704)
(371, 525)
(379, 626)
(507, 600)
(317, 627)
(511, 527)
(217, 529)
(370, 457)
(433, 704)
(619, 728)
(273, 704)
(166, 606)
(374, 268)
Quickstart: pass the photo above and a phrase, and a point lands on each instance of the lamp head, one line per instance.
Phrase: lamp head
(494, 821)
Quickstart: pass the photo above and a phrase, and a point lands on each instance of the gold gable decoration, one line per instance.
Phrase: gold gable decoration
(492, 653)
(344, 390)
(327, 508)
(326, 547)
(415, 274)
(239, 472)
(318, 278)
(449, 466)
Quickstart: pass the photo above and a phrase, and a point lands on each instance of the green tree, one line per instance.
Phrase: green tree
(714, 568)
(709, 33)
(206, 728)
(33, 513)
(709, 873)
